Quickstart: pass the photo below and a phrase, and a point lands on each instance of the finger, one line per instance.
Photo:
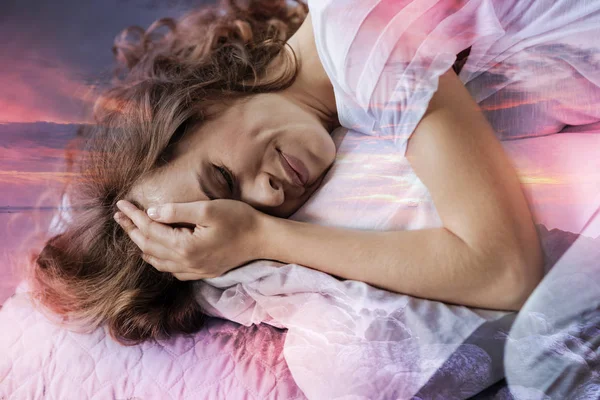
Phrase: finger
(146, 245)
(187, 277)
(194, 213)
(151, 229)
(162, 264)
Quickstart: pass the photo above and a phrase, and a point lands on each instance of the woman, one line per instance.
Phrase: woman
(217, 111)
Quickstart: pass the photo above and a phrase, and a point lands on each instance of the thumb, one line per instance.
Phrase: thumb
(190, 213)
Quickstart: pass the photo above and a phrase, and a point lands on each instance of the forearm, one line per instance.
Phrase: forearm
(429, 263)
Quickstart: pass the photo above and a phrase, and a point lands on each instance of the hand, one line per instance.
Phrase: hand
(223, 235)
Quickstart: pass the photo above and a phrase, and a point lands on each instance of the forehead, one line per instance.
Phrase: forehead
(218, 128)
(173, 183)
(176, 182)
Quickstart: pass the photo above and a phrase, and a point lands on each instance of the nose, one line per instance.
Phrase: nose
(266, 191)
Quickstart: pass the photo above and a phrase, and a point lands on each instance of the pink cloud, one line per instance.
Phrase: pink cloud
(49, 91)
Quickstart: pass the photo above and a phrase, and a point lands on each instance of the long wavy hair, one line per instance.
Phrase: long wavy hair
(91, 272)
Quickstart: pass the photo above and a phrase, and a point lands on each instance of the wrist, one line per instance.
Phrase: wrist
(268, 227)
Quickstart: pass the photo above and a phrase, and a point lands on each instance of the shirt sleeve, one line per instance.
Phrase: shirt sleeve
(385, 57)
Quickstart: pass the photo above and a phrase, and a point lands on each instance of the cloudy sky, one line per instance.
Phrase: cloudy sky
(53, 50)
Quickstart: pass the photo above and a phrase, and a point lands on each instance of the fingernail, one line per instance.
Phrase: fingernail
(153, 212)
(125, 206)
(117, 217)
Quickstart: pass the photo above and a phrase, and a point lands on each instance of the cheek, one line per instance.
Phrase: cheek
(328, 149)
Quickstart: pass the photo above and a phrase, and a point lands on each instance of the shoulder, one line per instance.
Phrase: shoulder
(385, 57)
(359, 40)
(335, 25)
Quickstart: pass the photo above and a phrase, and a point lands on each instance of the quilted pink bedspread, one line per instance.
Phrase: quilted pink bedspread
(222, 361)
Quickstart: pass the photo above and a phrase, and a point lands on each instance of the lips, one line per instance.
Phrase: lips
(295, 169)
(298, 167)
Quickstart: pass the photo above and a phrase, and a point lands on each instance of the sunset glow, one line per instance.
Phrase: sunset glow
(222, 301)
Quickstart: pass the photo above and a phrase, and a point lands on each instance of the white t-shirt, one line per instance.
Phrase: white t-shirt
(533, 64)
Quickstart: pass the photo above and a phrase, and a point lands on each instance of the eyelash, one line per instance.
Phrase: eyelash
(227, 175)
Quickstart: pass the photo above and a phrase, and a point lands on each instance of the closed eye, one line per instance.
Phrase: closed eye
(227, 175)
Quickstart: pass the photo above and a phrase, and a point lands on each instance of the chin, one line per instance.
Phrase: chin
(291, 209)
(296, 204)
(289, 213)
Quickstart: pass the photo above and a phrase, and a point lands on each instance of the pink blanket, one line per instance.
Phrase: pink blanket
(223, 360)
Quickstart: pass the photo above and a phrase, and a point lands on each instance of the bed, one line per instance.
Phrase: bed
(233, 360)
(223, 360)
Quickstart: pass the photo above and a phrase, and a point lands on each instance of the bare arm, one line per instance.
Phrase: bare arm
(487, 254)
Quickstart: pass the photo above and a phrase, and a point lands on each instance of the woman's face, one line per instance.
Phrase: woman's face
(249, 140)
